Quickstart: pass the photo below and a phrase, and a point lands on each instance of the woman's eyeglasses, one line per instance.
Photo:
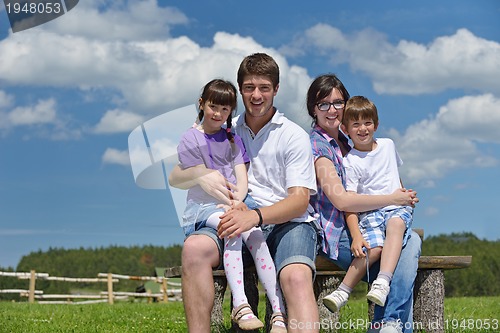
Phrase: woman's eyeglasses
(325, 106)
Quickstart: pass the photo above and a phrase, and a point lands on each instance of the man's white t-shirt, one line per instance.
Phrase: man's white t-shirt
(280, 157)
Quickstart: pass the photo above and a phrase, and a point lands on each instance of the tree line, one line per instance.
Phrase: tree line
(88, 262)
(480, 279)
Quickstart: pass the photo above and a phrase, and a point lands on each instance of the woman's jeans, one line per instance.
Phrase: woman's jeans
(399, 304)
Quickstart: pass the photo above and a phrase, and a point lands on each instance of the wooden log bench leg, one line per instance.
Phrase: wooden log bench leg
(428, 303)
(324, 284)
(220, 286)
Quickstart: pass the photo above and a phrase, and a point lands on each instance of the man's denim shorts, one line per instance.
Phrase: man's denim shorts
(293, 243)
(289, 243)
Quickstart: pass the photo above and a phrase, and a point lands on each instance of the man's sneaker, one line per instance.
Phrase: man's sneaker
(391, 327)
(336, 300)
(378, 292)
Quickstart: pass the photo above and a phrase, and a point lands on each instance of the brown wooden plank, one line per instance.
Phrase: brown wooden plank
(325, 267)
(176, 271)
(419, 232)
(173, 272)
(444, 262)
(424, 262)
(323, 264)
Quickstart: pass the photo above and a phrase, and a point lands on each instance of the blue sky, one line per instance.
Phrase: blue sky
(73, 89)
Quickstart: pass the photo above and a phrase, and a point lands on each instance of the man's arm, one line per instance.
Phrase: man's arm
(234, 222)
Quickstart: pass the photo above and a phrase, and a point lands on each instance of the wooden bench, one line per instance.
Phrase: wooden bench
(428, 304)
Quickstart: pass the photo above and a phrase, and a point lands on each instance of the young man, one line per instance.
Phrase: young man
(280, 178)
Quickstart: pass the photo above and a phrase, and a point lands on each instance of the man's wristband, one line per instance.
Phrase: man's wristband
(260, 217)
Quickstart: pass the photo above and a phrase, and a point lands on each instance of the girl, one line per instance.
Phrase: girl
(207, 144)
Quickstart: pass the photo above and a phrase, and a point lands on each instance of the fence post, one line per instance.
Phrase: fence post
(150, 298)
(165, 295)
(31, 296)
(110, 288)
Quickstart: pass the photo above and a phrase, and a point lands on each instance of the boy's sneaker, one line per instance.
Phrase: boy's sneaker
(336, 300)
(378, 292)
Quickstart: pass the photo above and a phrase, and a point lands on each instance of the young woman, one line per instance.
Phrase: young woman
(326, 100)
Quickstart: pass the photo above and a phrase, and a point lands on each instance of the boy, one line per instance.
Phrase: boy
(371, 168)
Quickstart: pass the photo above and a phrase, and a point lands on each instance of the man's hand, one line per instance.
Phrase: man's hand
(236, 221)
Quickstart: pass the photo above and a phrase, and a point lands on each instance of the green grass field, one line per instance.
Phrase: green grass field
(481, 314)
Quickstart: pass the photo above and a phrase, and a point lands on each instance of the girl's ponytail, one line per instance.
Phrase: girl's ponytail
(230, 136)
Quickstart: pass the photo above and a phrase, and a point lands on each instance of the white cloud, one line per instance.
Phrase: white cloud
(475, 116)
(462, 60)
(47, 59)
(431, 211)
(115, 156)
(104, 45)
(152, 77)
(451, 139)
(6, 100)
(40, 120)
(118, 121)
(42, 113)
(165, 147)
(118, 20)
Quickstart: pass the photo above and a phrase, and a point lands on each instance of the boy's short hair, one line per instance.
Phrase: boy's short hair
(359, 107)
(259, 64)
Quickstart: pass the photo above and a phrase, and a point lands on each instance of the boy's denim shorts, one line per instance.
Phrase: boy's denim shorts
(373, 224)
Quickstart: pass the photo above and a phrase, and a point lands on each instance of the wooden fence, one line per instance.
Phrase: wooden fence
(108, 296)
